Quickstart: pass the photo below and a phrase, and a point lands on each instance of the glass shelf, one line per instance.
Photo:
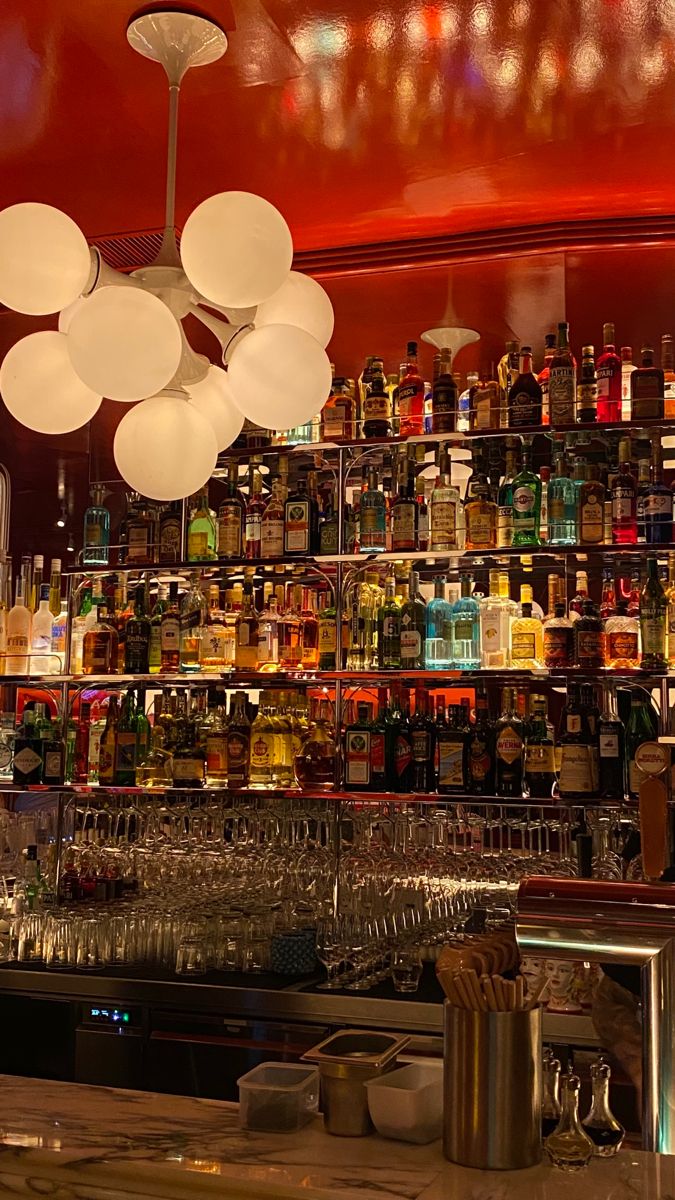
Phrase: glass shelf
(288, 562)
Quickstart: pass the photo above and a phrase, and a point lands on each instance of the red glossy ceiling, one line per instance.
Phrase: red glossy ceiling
(363, 122)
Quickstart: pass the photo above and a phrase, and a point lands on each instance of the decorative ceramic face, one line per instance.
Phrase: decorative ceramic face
(559, 975)
(532, 970)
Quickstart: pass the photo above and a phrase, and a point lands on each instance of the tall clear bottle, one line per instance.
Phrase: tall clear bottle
(96, 540)
(602, 1127)
(569, 1146)
(466, 629)
(18, 633)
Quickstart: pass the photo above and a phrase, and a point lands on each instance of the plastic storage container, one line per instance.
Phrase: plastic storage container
(407, 1103)
(278, 1097)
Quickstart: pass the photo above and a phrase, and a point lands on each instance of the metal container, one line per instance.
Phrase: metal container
(346, 1061)
(492, 1088)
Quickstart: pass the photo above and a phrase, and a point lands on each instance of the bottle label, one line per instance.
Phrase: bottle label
(126, 751)
(391, 626)
(377, 755)
(26, 761)
(187, 769)
(376, 407)
(504, 526)
(635, 776)
(556, 508)
(238, 745)
(493, 645)
(229, 533)
(216, 753)
(653, 630)
(410, 399)
(262, 750)
(357, 754)
(371, 523)
(524, 501)
(463, 630)
(573, 723)
(253, 528)
(479, 760)
(170, 634)
(327, 635)
(198, 545)
(296, 535)
(334, 419)
(138, 544)
(524, 409)
(268, 641)
(485, 404)
(509, 744)
(623, 504)
(443, 524)
(590, 645)
(587, 397)
(93, 535)
(403, 525)
(272, 537)
(659, 504)
(576, 770)
(53, 764)
(609, 745)
(451, 764)
(539, 759)
(592, 519)
(402, 755)
(557, 646)
(17, 643)
(523, 646)
(169, 543)
(421, 745)
(97, 652)
(623, 644)
(411, 643)
(213, 642)
(480, 529)
(562, 394)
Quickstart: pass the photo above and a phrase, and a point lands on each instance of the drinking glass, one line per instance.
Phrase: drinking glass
(406, 968)
(93, 943)
(59, 945)
(330, 952)
(192, 956)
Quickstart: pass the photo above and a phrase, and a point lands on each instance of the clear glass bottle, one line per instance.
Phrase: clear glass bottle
(192, 617)
(438, 640)
(527, 638)
(444, 507)
(315, 762)
(272, 524)
(569, 1147)
(465, 620)
(413, 627)
(550, 1100)
(621, 639)
(202, 535)
(480, 512)
(372, 513)
(495, 626)
(268, 638)
(96, 540)
(263, 747)
(600, 1124)
(653, 620)
(155, 769)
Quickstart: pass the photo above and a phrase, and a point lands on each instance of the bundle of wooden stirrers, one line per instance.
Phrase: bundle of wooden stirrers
(489, 993)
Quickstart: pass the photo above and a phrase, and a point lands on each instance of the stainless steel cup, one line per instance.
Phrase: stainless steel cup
(346, 1061)
(492, 1088)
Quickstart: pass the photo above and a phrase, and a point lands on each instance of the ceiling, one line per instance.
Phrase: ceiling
(517, 152)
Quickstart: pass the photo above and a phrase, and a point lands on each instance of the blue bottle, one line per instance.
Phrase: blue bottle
(438, 642)
(466, 629)
(96, 540)
(562, 507)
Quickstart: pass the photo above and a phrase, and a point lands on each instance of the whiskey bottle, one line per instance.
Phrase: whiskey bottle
(124, 770)
(188, 765)
(137, 644)
(238, 743)
(647, 386)
(99, 650)
(539, 752)
(444, 396)
(170, 633)
(611, 749)
(404, 512)
(621, 639)
(231, 518)
(272, 524)
(576, 759)
(589, 633)
(316, 762)
(480, 513)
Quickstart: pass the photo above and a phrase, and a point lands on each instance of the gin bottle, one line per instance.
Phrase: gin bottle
(466, 629)
(438, 642)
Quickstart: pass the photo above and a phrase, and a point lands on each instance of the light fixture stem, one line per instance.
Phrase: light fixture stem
(168, 254)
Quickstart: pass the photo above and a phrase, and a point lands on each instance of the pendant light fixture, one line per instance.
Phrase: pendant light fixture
(121, 336)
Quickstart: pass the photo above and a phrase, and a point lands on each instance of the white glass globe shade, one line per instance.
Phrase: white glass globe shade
(213, 398)
(299, 301)
(44, 259)
(236, 249)
(164, 448)
(66, 315)
(40, 387)
(280, 376)
(124, 343)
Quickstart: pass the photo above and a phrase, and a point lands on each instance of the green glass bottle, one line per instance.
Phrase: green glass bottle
(653, 620)
(526, 502)
(124, 773)
(389, 629)
(640, 727)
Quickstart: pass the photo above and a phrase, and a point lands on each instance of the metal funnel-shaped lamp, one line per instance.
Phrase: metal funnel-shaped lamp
(451, 337)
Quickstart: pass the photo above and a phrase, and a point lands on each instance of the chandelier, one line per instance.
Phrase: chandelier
(122, 337)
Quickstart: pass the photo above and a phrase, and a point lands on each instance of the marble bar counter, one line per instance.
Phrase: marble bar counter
(75, 1142)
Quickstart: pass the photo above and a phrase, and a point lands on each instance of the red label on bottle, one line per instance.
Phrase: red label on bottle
(403, 755)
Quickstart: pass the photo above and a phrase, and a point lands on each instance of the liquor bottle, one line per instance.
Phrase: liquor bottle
(411, 396)
(525, 396)
(309, 632)
(357, 751)
(327, 634)
(545, 478)
(192, 616)
(484, 408)
(316, 762)
(272, 524)
(643, 484)
(170, 530)
(539, 752)
(268, 637)
(372, 511)
(337, 414)
(600, 1124)
(169, 633)
(670, 596)
(509, 748)
(608, 597)
(124, 771)
(464, 399)
(142, 727)
(495, 626)
(55, 588)
(640, 727)
(480, 512)
(238, 743)
(453, 754)
(482, 749)
(627, 368)
(507, 370)
(422, 517)
(96, 538)
(301, 521)
(562, 385)
(621, 639)
(19, 633)
(389, 629)
(668, 368)
(465, 625)
(255, 508)
(569, 1147)
(41, 661)
(527, 639)
(422, 736)
(526, 502)
(137, 645)
(577, 750)
(544, 376)
(99, 651)
(590, 510)
(188, 765)
(611, 746)
(590, 638)
(108, 744)
(404, 512)
(438, 639)
(653, 620)
(213, 636)
(155, 770)
(246, 632)
(123, 611)
(550, 1101)
(203, 535)
(581, 594)
(587, 388)
(624, 499)
(444, 507)
(231, 520)
(444, 401)
(80, 767)
(609, 378)
(646, 388)
(413, 627)
(658, 502)
(155, 650)
(140, 533)
(33, 594)
(558, 640)
(505, 522)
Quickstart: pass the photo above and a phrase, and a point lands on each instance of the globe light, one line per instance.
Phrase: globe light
(40, 387)
(44, 259)
(299, 301)
(213, 398)
(280, 376)
(236, 249)
(164, 448)
(124, 343)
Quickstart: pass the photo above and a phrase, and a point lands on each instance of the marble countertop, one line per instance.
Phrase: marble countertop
(75, 1142)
